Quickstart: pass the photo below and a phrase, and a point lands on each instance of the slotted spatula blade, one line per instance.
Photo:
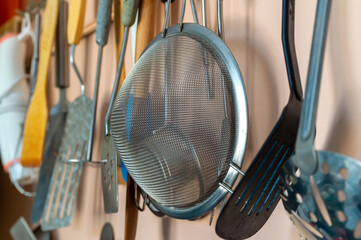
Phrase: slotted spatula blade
(57, 118)
(257, 194)
(66, 174)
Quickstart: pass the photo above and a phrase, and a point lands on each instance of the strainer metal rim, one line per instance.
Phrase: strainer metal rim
(241, 116)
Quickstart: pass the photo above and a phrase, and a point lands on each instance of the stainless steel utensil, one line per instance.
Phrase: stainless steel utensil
(35, 58)
(257, 194)
(72, 155)
(107, 232)
(108, 152)
(21, 230)
(171, 148)
(102, 34)
(57, 117)
(322, 192)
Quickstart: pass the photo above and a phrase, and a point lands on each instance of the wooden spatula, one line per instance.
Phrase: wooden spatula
(37, 116)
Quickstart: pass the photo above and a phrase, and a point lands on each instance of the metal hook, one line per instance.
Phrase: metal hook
(204, 20)
(165, 25)
(145, 198)
(72, 61)
(195, 18)
(116, 83)
(182, 14)
(220, 18)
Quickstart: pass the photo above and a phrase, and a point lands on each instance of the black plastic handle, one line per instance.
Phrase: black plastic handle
(289, 49)
(62, 52)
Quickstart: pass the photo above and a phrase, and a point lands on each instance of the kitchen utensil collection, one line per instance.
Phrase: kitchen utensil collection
(179, 123)
(257, 194)
(322, 189)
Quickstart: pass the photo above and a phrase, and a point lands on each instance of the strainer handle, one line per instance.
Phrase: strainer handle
(75, 29)
(129, 11)
(166, 17)
(305, 156)
(220, 18)
(204, 16)
(194, 12)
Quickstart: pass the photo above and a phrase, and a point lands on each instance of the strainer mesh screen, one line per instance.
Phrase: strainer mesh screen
(169, 123)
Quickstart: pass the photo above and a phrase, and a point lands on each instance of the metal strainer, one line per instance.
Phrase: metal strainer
(182, 147)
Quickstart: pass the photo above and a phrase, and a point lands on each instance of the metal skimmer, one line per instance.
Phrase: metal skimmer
(322, 189)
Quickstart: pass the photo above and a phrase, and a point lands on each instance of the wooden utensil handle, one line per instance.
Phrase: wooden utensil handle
(76, 20)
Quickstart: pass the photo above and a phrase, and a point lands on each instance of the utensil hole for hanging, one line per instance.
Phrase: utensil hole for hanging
(344, 173)
(341, 195)
(312, 217)
(105, 179)
(325, 168)
(299, 198)
(319, 202)
(112, 178)
(296, 172)
(357, 231)
(109, 186)
(307, 225)
(341, 216)
(285, 193)
(289, 180)
(111, 163)
(108, 171)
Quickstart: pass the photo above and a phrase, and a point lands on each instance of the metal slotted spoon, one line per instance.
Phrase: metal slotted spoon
(173, 145)
(322, 189)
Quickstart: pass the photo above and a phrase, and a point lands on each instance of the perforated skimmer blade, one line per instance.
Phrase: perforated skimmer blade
(66, 175)
(167, 129)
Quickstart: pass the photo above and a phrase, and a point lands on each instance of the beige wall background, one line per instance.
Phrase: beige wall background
(253, 33)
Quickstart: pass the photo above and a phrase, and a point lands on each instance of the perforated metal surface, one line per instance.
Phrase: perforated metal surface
(170, 123)
(327, 207)
(63, 188)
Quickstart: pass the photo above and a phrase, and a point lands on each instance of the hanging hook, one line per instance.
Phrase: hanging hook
(220, 18)
(165, 25)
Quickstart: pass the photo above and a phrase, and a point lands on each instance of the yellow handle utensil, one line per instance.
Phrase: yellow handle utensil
(76, 21)
(37, 116)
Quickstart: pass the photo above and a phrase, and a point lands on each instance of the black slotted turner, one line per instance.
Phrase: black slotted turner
(258, 192)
